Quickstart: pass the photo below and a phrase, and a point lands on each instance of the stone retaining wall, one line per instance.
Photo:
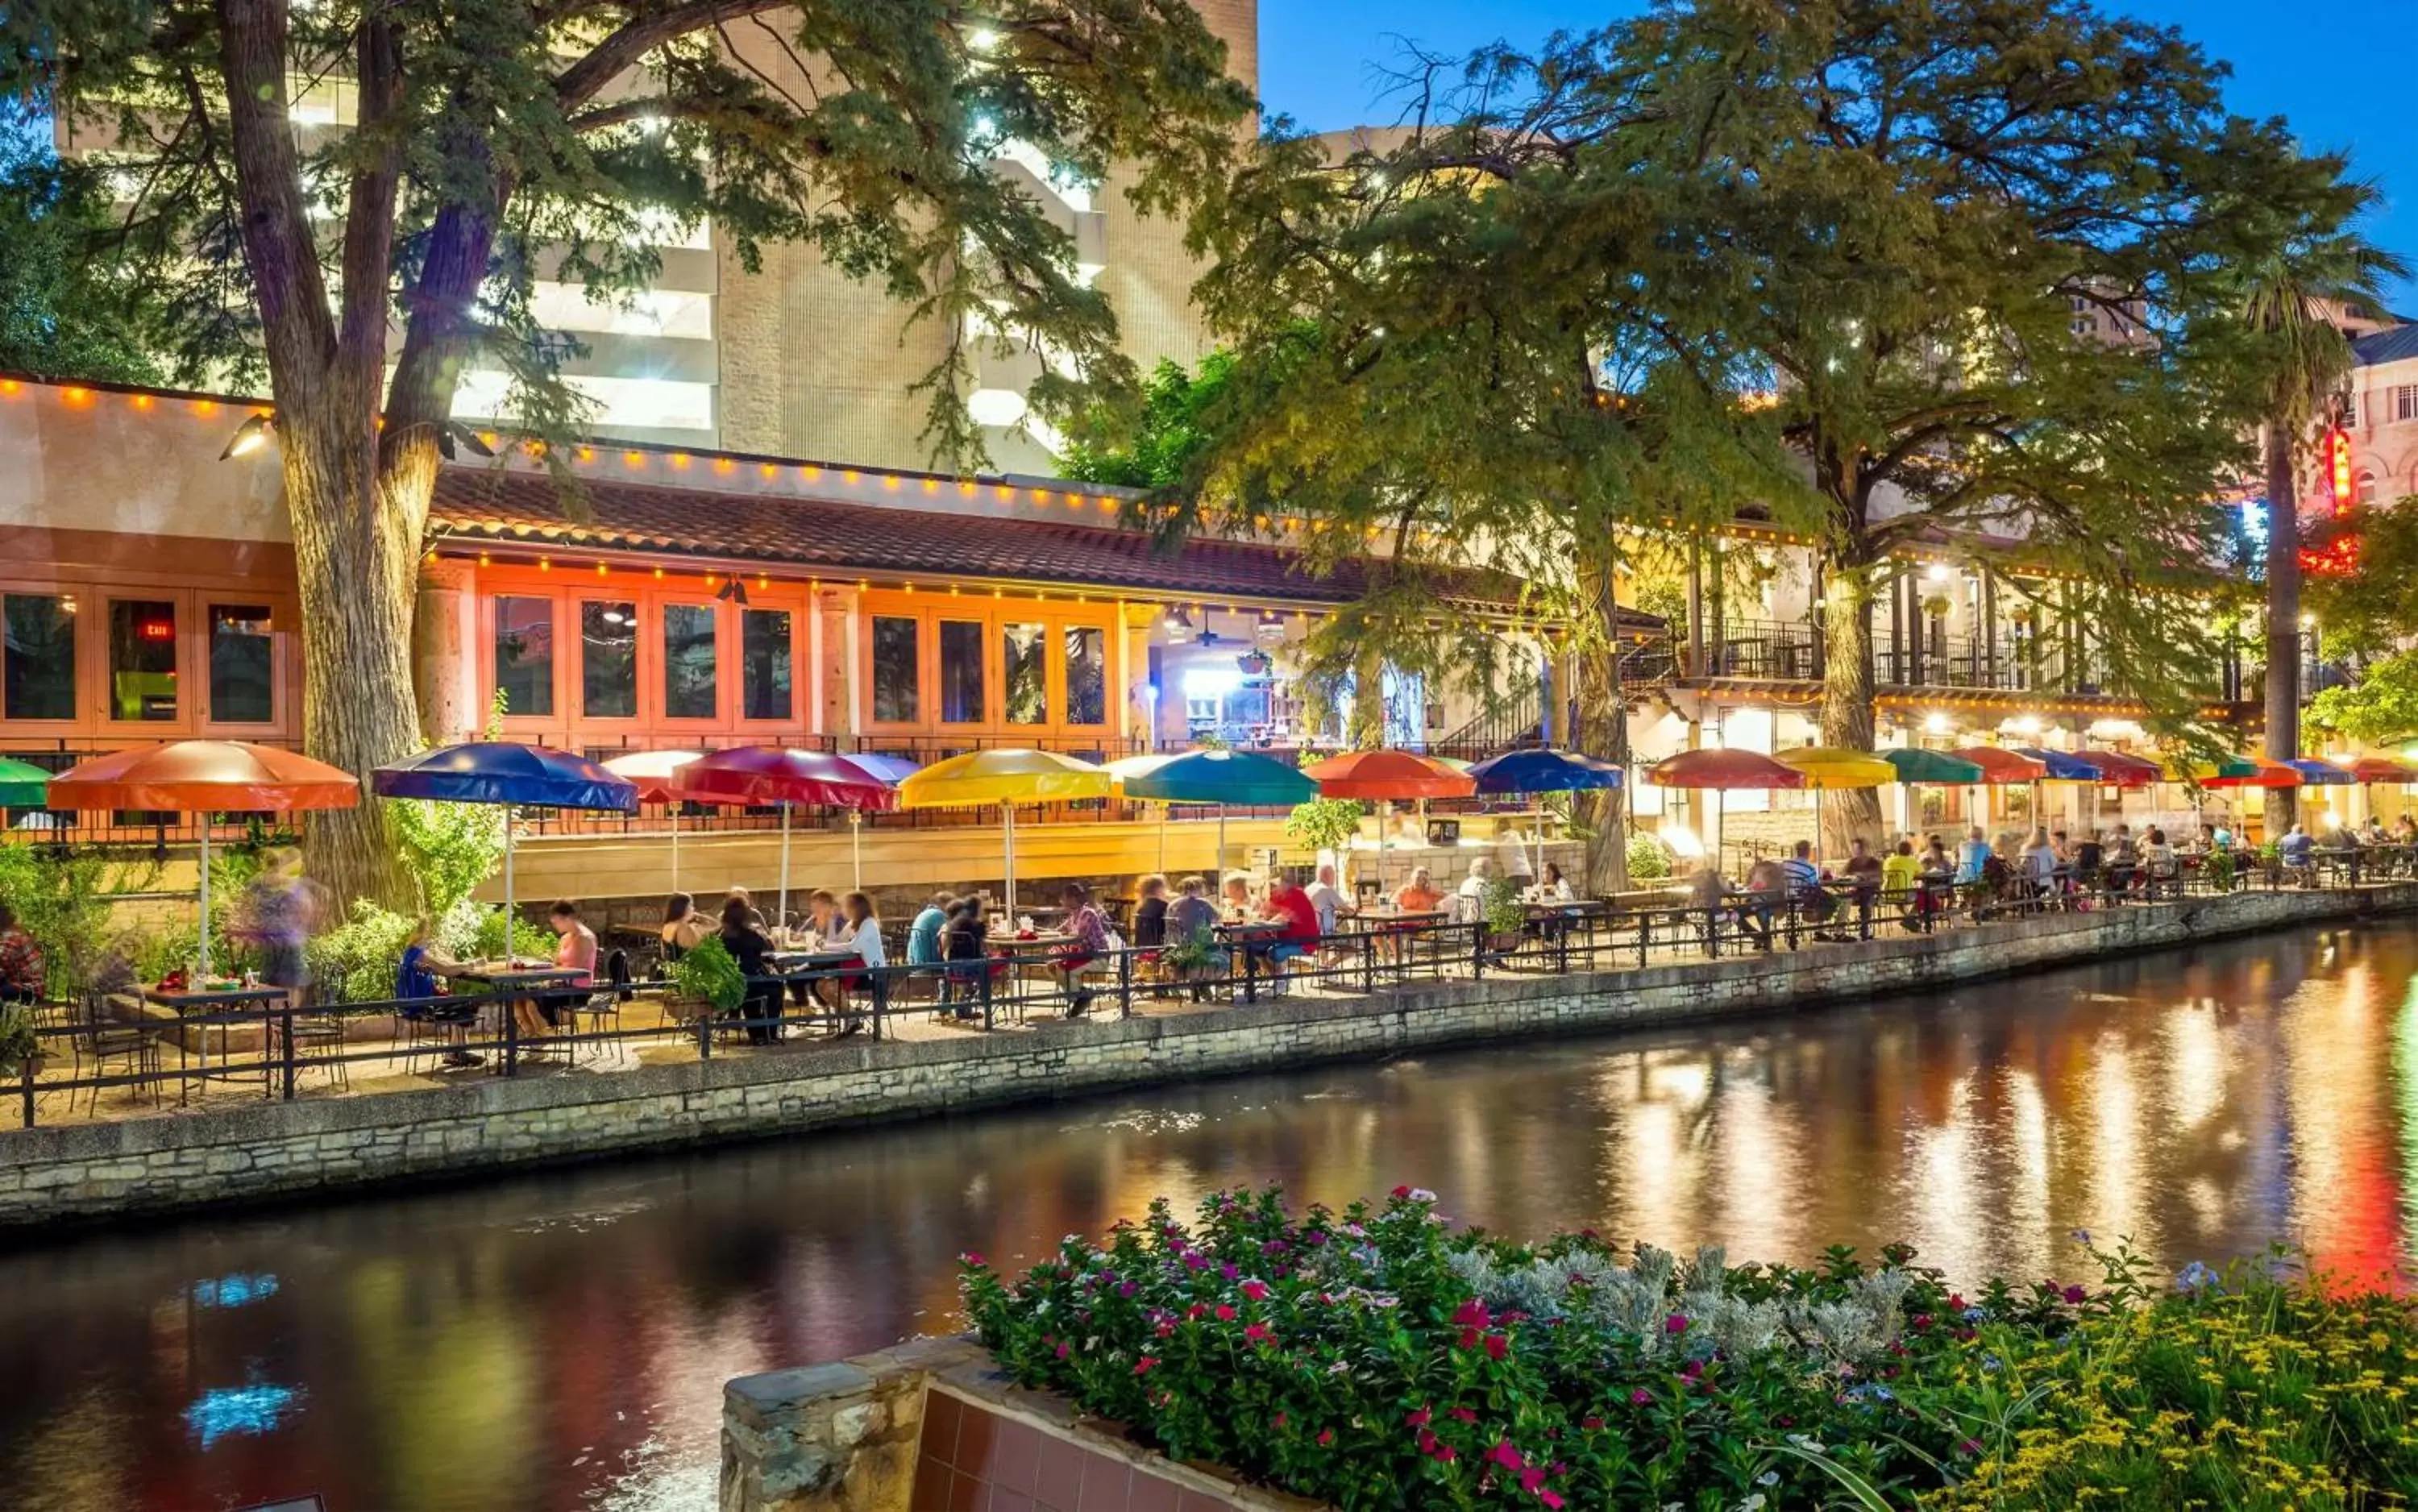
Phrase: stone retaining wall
(274, 1149)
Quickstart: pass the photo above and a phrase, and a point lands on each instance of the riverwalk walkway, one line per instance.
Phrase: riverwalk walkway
(292, 1113)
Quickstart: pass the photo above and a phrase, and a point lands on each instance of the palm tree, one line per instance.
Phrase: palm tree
(2291, 300)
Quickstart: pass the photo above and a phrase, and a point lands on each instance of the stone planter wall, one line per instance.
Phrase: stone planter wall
(934, 1426)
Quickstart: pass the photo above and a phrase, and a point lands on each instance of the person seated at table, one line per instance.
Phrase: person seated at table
(1863, 872)
(574, 949)
(744, 937)
(965, 945)
(1973, 855)
(21, 961)
(823, 926)
(739, 897)
(1328, 899)
(1766, 888)
(1089, 932)
(924, 944)
(1802, 876)
(1419, 895)
(1902, 879)
(1469, 899)
(1290, 901)
(2037, 867)
(1554, 887)
(1238, 897)
(1150, 914)
(2164, 869)
(2405, 829)
(859, 932)
(684, 925)
(2298, 851)
(2373, 832)
(420, 986)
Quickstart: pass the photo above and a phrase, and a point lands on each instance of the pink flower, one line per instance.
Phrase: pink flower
(1955, 1302)
(1256, 1291)
(1640, 1397)
(972, 1258)
(1497, 1346)
(1225, 1313)
(1464, 1415)
(1418, 1419)
(1550, 1500)
(1473, 1314)
(1590, 1423)
(1507, 1457)
(1401, 1192)
(1145, 1365)
(1259, 1333)
(1195, 1260)
(1325, 1436)
(2077, 1295)
(1676, 1323)
(1469, 1338)
(1922, 1322)
(1165, 1329)
(1532, 1477)
(1198, 1310)
(1062, 1352)
(1281, 1420)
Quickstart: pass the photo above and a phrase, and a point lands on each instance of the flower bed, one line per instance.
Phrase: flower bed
(1376, 1357)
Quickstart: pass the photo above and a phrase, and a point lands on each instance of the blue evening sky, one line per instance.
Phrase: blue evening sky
(2333, 70)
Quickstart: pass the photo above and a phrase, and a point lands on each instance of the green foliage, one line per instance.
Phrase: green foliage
(1158, 445)
(356, 961)
(484, 936)
(1649, 859)
(66, 309)
(19, 1042)
(2380, 708)
(708, 972)
(1376, 1358)
(2367, 615)
(1325, 823)
(448, 849)
(1505, 913)
(64, 899)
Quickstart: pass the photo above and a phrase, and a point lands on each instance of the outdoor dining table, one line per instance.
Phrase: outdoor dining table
(234, 997)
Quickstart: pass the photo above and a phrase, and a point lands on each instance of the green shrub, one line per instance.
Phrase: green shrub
(707, 970)
(64, 899)
(1325, 823)
(1649, 859)
(1377, 1358)
(356, 961)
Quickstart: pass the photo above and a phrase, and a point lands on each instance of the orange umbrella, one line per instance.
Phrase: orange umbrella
(1384, 776)
(2266, 773)
(203, 777)
(1719, 770)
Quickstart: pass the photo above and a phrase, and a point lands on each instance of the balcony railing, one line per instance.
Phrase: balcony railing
(1765, 650)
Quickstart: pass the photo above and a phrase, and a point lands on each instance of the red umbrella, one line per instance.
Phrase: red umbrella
(2002, 768)
(201, 777)
(2268, 774)
(1388, 775)
(2376, 768)
(1733, 771)
(777, 774)
(2118, 770)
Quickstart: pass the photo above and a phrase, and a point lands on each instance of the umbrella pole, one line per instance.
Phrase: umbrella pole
(783, 921)
(205, 904)
(856, 844)
(675, 845)
(1162, 837)
(1717, 829)
(1221, 844)
(508, 884)
(1385, 823)
(1007, 829)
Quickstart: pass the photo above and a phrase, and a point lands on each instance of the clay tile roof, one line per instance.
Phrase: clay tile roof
(484, 503)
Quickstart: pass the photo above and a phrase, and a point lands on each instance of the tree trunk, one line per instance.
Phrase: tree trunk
(2283, 622)
(1853, 812)
(1366, 730)
(1602, 731)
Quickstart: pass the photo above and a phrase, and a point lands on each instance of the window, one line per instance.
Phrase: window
(764, 664)
(38, 679)
(525, 655)
(2366, 488)
(1087, 674)
(689, 690)
(897, 670)
(2404, 402)
(243, 683)
(962, 700)
(1025, 672)
(608, 659)
(142, 660)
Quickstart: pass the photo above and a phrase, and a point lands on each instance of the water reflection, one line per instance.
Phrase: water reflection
(560, 1341)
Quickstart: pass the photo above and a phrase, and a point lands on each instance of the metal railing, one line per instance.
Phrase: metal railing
(290, 1050)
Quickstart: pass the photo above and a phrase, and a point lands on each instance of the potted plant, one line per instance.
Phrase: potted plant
(1507, 915)
(706, 979)
(20, 1049)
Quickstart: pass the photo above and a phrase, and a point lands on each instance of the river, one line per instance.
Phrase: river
(560, 1340)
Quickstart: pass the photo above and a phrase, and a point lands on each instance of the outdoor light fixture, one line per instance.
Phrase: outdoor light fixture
(1935, 724)
(249, 438)
(1939, 573)
(453, 432)
(733, 591)
(1178, 622)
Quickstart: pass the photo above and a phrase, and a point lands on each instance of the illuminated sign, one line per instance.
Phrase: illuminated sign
(2338, 464)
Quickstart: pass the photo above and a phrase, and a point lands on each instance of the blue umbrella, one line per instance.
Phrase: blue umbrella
(2321, 773)
(2062, 767)
(1543, 771)
(893, 770)
(509, 773)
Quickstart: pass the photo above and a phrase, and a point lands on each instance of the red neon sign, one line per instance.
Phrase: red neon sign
(157, 629)
(2338, 462)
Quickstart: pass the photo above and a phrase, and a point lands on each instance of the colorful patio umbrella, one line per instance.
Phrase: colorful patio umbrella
(1544, 771)
(893, 770)
(2003, 767)
(1834, 769)
(2059, 766)
(22, 785)
(2315, 773)
(1388, 777)
(2377, 769)
(1937, 768)
(1008, 778)
(652, 771)
(1722, 771)
(777, 774)
(2194, 769)
(1229, 779)
(510, 775)
(2262, 773)
(2120, 769)
(205, 777)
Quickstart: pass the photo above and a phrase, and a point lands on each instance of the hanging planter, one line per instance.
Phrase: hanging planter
(1935, 605)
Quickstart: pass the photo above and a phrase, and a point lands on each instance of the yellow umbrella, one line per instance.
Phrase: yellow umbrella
(1007, 778)
(1832, 768)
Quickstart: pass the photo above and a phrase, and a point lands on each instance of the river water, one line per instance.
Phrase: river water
(560, 1341)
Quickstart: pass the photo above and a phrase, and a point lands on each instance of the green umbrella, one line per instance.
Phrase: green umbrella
(23, 786)
(1914, 765)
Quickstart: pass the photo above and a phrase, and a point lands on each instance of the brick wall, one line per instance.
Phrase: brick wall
(273, 1149)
